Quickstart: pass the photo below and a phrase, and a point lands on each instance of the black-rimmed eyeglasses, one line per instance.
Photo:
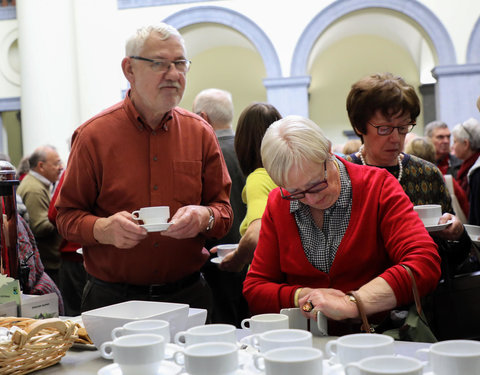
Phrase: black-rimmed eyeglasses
(387, 129)
(317, 188)
(163, 65)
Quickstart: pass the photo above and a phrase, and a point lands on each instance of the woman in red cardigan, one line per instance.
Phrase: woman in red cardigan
(333, 227)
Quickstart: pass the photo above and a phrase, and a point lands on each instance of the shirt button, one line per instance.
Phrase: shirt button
(155, 187)
(155, 158)
(155, 244)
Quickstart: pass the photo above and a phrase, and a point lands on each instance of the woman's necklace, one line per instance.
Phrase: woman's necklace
(399, 158)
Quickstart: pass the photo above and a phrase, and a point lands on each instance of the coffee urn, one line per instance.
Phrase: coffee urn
(8, 220)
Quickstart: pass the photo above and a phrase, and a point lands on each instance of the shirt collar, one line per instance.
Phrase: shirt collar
(42, 179)
(224, 133)
(138, 120)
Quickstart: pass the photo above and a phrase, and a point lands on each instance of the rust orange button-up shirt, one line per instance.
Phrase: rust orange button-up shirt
(119, 163)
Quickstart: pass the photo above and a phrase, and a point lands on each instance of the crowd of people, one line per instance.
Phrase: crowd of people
(311, 225)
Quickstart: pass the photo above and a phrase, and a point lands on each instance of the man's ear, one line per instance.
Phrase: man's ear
(204, 116)
(128, 69)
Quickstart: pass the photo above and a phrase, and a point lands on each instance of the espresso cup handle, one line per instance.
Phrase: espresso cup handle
(179, 358)
(136, 215)
(244, 323)
(180, 338)
(106, 350)
(117, 332)
(350, 366)
(331, 348)
(259, 362)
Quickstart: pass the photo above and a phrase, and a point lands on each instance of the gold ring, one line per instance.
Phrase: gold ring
(308, 306)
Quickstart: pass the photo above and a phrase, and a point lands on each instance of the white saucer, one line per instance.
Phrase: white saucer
(238, 372)
(166, 368)
(247, 341)
(437, 227)
(156, 227)
(216, 260)
(328, 369)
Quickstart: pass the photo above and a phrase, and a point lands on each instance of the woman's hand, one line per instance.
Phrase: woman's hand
(454, 231)
(331, 302)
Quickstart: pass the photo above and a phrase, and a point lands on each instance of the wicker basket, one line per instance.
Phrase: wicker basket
(39, 344)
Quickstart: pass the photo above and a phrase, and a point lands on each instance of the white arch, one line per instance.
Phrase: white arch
(473, 49)
(417, 12)
(237, 22)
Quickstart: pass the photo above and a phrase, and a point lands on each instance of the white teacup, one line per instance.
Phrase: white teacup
(225, 249)
(385, 365)
(219, 358)
(355, 347)
(290, 361)
(280, 338)
(152, 215)
(153, 326)
(265, 322)
(453, 357)
(207, 333)
(429, 213)
(136, 354)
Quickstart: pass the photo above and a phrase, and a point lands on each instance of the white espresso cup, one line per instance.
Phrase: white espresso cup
(453, 357)
(225, 249)
(280, 338)
(207, 333)
(152, 215)
(136, 354)
(429, 213)
(385, 365)
(290, 361)
(219, 358)
(154, 326)
(265, 322)
(355, 347)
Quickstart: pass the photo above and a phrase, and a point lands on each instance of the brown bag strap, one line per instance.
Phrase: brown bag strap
(361, 308)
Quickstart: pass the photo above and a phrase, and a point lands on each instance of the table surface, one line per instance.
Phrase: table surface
(82, 362)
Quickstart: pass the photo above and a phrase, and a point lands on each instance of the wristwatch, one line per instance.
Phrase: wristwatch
(211, 220)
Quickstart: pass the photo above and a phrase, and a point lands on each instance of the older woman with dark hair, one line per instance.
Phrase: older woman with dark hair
(382, 109)
(252, 124)
(466, 143)
(333, 227)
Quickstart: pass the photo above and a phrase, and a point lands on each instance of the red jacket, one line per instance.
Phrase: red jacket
(384, 232)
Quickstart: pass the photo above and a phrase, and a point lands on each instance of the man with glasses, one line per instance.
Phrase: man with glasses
(145, 151)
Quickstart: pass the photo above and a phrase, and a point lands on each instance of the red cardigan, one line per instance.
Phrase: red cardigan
(383, 233)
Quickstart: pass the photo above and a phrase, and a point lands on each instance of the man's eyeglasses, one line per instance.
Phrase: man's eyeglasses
(387, 130)
(163, 65)
(317, 188)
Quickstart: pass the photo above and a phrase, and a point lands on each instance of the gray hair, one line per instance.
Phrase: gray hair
(468, 131)
(431, 126)
(136, 41)
(40, 154)
(290, 142)
(217, 104)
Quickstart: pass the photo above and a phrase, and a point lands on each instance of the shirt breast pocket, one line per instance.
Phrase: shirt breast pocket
(187, 177)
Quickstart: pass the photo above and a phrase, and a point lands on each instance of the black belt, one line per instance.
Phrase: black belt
(153, 289)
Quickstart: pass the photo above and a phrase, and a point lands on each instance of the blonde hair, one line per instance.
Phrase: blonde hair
(290, 142)
(421, 147)
(351, 146)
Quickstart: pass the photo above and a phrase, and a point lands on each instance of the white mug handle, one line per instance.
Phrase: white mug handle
(181, 338)
(244, 323)
(350, 366)
(136, 215)
(259, 362)
(331, 348)
(117, 332)
(106, 350)
(179, 358)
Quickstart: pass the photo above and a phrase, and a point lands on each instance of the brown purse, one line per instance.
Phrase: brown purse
(414, 327)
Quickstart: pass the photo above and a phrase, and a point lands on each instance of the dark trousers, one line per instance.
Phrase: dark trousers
(98, 293)
(72, 276)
